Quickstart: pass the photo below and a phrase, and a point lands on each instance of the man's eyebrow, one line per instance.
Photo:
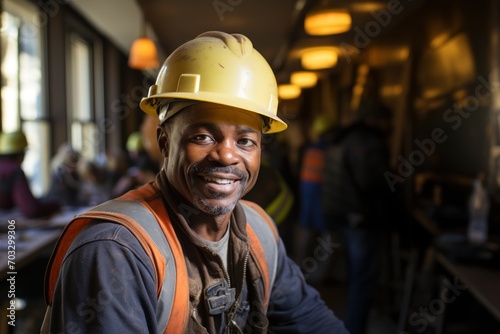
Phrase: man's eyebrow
(245, 129)
(240, 129)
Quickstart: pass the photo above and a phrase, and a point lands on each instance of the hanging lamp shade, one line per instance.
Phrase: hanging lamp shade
(143, 54)
(304, 79)
(319, 58)
(327, 21)
(288, 91)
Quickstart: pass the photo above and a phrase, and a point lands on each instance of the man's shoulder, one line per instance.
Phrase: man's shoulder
(104, 232)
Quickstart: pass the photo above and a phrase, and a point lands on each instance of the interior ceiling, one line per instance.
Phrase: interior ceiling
(275, 27)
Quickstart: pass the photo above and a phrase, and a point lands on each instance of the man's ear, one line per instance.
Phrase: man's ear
(162, 138)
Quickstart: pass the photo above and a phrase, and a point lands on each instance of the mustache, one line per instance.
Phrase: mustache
(197, 169)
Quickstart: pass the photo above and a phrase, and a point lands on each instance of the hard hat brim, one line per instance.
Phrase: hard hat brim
(149, 105)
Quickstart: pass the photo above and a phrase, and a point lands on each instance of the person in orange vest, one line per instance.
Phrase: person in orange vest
(184, 254)
(311, 221)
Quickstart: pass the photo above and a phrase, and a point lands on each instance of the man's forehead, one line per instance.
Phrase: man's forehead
(216, 113)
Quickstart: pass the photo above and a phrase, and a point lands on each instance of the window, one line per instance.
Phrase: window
(84, 100)
(22, 91)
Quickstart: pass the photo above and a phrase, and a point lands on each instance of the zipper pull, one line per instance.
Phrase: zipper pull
(230, 319)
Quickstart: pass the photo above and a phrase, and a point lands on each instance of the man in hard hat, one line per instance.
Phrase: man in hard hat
(223, 268)
(15, 192)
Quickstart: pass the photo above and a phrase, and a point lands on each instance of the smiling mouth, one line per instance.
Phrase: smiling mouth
(218, 180)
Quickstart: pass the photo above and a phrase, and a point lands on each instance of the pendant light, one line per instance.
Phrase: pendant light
(289, 91)
(318, 58)
(143, 54)
(327, 19)
(304, 79)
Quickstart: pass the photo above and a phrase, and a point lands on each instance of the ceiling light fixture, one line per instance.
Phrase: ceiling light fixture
(304, 79)
(288, 91)
(319, 58)
(143, 54)
(327, 21)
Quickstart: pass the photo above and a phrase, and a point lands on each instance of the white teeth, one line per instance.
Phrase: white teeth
(217, 180)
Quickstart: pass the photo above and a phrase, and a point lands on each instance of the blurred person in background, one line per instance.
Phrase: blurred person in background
(93, 189)
(116, 166)
(65, 181)
(15, 191)
(136, 150)
(273, 194)
(356, 202)
(141, 168)
(148, 132)
(311, 222)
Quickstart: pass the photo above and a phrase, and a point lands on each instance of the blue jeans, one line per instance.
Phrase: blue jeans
(311, 212)
(362, 251)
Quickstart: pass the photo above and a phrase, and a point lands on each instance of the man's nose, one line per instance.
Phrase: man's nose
(225, 152)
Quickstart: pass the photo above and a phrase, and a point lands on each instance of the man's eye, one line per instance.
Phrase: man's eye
(246, 142)
(202, 138)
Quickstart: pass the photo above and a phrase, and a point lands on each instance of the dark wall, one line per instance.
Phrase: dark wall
(450, 86)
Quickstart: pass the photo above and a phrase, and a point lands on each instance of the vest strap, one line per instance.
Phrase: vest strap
(162, 256)
(262, 236)
(143, 224)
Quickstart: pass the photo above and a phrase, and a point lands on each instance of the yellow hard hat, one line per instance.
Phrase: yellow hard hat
(134, 142)
(219, 68)
(12, 142)
(321, 124)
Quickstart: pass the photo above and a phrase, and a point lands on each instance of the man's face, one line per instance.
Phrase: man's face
(212, 155)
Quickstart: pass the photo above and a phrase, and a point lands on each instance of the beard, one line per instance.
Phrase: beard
(205, 203)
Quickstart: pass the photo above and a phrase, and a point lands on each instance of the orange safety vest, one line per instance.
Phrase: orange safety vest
(312, 165)
(142, 211)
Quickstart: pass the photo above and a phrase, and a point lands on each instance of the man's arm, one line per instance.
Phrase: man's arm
(295, 306)
(106, 285)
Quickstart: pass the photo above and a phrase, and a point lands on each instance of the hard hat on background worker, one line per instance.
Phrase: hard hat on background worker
(321, 124)
(220, 68)
(135, 143)
(12, 142)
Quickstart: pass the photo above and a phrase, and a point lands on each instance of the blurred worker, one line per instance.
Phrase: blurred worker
(135, 146)
(356, 202)
(272, 193)
(311, 218)
(65, 180)
(204, 261)
(140, 168)
(93, 188)
(15, 191)
(148, 132)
